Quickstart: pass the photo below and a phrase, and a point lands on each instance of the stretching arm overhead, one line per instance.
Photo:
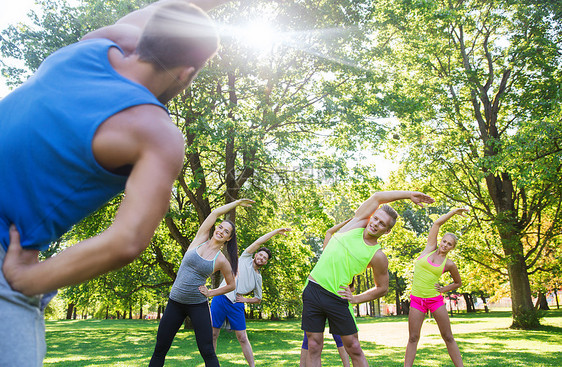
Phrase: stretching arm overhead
(434, 231)
(127, 30)
(205, 228)
(330, 232)
(266, 237)
(369, 206)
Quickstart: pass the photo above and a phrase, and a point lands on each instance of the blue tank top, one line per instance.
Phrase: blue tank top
(49, 177)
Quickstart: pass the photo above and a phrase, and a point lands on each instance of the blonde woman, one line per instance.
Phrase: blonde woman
(427, 292)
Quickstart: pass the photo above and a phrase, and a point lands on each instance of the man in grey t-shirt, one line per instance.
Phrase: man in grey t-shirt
(231, 305)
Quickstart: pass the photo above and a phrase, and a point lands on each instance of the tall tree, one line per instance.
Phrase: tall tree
(475, 85)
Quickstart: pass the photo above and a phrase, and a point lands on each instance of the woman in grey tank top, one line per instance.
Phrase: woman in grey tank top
(188, 296)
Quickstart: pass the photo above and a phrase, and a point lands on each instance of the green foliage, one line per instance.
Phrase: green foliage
(475, 87)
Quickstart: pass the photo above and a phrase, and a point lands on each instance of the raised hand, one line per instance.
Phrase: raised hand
(283, 231)
(460, 211)
(419, 198)
(245, 202)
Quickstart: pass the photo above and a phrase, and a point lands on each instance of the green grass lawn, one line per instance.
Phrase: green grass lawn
(484, 340)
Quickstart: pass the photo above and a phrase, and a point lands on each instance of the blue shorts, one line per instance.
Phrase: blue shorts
(222, 309)
(337, 339)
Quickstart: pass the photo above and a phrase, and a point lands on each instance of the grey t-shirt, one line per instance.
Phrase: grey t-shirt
(247, 280)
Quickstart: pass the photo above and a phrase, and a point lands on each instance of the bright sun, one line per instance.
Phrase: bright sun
(258, 35)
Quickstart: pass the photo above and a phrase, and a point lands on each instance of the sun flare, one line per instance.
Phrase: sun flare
(258, 35)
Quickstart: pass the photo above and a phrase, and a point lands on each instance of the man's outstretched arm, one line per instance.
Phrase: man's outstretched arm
(127, 30)
(266, 237)
(384, 197)
(369, 206)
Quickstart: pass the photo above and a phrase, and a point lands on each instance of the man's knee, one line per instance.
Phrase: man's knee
(352, 345)
(216, 333)
(414, 337)
(315, 342)
(242, 336)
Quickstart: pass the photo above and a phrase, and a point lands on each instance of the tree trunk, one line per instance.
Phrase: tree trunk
(397, 295)
(187, 324)
(358, 290)
(542, 304)
(69, 310)
(469, 303)
(501, 190)
(556, 298)
(524, 314)
(369, 283)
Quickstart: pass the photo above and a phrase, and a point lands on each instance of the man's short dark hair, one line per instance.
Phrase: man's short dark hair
(178, 34)
(267, 251)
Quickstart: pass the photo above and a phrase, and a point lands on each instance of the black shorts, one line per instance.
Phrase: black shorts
(320, 304)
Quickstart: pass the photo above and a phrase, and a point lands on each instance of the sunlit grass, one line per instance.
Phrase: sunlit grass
(484, 340)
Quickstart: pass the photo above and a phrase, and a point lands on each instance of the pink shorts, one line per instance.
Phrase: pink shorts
(426, 304)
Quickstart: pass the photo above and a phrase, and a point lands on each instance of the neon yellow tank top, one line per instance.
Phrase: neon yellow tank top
(426, 275)
(345, 256)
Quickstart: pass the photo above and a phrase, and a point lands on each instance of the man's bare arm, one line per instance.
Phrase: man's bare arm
(242, 299)
(384, 197)
(266, 237)
(127, 30)
(379, 264)
(155, 150)
(330, 232)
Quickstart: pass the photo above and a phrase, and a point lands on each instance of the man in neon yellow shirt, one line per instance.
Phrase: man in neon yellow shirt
(349, 252)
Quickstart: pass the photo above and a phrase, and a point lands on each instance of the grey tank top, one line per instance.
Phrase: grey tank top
(193, 272)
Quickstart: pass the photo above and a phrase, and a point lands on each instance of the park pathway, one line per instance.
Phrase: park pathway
(395, 334)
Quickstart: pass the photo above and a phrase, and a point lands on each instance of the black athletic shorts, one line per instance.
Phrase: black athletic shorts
(320, 304)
